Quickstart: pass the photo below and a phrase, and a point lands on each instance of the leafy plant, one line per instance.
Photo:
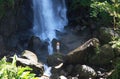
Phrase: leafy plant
(115, 43)
(11, 71)
(112, 8)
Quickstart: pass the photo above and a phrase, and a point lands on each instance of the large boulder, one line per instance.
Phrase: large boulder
(106, 34)
(81, 54)
(29, 58)
(85, 72)
(103, 57)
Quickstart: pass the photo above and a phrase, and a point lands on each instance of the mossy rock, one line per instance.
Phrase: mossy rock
(106, 34)
(104, 56)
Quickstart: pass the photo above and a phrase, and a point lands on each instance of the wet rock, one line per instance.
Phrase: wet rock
(55, 59)
(104, 56)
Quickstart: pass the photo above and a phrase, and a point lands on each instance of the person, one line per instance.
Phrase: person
(58, 47)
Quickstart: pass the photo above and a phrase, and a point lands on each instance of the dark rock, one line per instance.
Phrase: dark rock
(103, 57)
(24, 15)
(69, 69)
(2, 46)
(7, 24)
(55, 59)
(39, 47)
(30, 59)
(117, 51)
(106, 34)
(81, 54)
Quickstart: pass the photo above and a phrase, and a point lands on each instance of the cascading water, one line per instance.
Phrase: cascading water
(49, 16)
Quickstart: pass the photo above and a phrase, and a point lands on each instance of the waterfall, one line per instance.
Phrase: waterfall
(49, 16)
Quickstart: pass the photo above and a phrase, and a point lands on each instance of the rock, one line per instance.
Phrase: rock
(80, 55)
(55, 59)
(117, 51)
(30, 59)
(106, 34)
(39, 48)
(104, 56)
(69, 69)
(24, 15)
(85, 72)
(62, 77)
(30, 55)
(2, 46)
(44, 77)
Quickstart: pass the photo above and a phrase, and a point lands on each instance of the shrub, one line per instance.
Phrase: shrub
(11, 71)
(111, 7)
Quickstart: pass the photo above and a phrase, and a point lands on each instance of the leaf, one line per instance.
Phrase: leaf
(14, 60)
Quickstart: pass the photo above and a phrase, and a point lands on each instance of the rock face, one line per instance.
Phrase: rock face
(2, 46)
(15, 25)
(24, 15)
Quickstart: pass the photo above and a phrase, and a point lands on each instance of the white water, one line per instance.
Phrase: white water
(49, 16)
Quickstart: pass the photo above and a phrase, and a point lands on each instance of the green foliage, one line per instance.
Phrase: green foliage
(11, 71)
(115, 43)
(112, 8)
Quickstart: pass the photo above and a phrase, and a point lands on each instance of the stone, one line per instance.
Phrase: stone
(55, 59)
(30, 59)
(81, 54)
(39, 47)
(2, 46)
(30, 55)
(84, 71)
(62, 77)
(106, 34)
(104, 56)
